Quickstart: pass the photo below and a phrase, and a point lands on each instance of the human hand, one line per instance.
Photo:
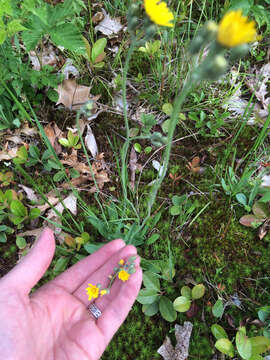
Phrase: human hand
(54, 322)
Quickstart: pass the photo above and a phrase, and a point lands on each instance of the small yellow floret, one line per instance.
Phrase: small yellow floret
(92, 291)
(158, 12)
(235, 29)
(123, 275)
(103, 292)
(121, 262)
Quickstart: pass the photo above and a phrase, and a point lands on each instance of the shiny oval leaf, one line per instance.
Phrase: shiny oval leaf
(218, 309)
(186, 292)
(198, 291)
(151, 281)
(166, 309)
(181, 304)
(243, 345)
(150, 309)
(147, 296)
(225, 346)
(218, 332)
(260, 344)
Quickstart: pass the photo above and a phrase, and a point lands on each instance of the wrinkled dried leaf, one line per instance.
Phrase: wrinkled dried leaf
(133, 166)
(90, 142)
(26, 130)
(46, 57)
(250, 220)
(108, 26)
(69, 68)
(266, 181)
(70, 203)
(54, 133)
(9, 154)
(30, 194)
(180, 352)
(263, 230)
(72, 95)
(15, 139)
(35, 232)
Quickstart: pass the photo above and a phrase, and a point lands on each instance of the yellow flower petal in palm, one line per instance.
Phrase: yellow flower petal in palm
(123, 275)
(92, 291)
(235, 29)
(158, 12)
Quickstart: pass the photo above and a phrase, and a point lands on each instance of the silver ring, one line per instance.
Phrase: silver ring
(94, 310)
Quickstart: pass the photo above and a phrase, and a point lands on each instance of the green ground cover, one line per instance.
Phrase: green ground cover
(218, 169)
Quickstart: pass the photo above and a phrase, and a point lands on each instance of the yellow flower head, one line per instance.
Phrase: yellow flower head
(123, 275)
(103, 292)
(121, 262)
(158, 12)
(92, 291)
(235, 29)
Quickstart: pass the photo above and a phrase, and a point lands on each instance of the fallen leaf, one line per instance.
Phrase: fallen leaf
(266, 181)
(26, 130)
(264, 229)
(72, 95)
(180, 352)
(35, 232)
(46, 56)
(53, 133)
(15, 139)
(69, 68)
(132, 166)
(69, 203)
(8, 155)
(30, 194)
(109, 26)
(90, 142)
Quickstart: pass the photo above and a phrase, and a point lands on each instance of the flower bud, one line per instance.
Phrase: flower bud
(133, 9)
(206, 34)
(157, 139)
(150, 32)
(132, 23)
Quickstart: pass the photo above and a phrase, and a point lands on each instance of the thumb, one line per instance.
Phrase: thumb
(24, 276)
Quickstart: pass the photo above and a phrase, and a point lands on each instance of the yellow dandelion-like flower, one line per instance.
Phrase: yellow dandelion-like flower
(92, 291)
(158, 12)
(121, 262)
(235, 29)
(123, 275)
(103, 292)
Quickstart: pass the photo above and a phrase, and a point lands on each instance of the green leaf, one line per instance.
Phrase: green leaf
(218, 309)
(175, 210)
(14, 26)
(165, 126)
(198, 291)
(260, 344)
(18, 209)
(3, 36)
(167, 109)
(243, 344)
(60, 265)
(225, 346)
(137, 147)
(64, 142)
(34, 151)
(153, 238)
(260, 210)
(59, 176)
(98, 48)
(151, 281)
(218, 332)
(265, 198)
(147, 296)
(186, 292)
(3, 237)
(34, 213)
(244, 5)
(263, 313)
(179, 200)
(150, 309)
(166, 309)
(68, 35)
(241, 198)
(20, 242)
(22, 155)
(181, 304)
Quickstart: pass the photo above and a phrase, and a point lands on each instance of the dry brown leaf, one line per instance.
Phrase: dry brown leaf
(90, 142)
(45, 57)
(9, 154)
(133, 166)
(70, 203)
(109, 26)
(35, 232)
(72, 95)
(54, 133)
(180, 352)
(26, 130)
(30, 194)
(15, 139)
(52, 199)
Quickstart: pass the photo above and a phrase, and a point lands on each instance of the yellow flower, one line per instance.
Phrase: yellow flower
(123, 275)
(103, 292)
(92, 291)
(235, 29)
(121, 262)
(158, 12)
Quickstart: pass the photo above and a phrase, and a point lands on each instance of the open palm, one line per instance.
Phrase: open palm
(54, 323)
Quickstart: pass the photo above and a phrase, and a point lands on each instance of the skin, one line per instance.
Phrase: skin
(53, 323)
